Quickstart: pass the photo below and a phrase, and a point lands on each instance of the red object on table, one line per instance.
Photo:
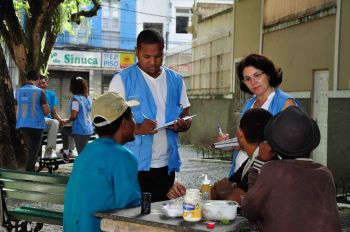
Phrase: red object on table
(211, 225)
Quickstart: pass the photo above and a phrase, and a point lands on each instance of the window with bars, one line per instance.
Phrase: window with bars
(182, 20)
(110, 24)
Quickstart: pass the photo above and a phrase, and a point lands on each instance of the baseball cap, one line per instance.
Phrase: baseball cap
(110, 106)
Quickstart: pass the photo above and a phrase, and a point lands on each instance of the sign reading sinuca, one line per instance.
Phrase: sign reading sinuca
(111, 60)
(75, 58)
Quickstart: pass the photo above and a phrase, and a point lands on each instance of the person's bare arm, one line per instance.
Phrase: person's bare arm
(43, 102)
(289, 102)
(56, 116)
(46, 109)
(177, 190)
(146, 127)
(180, 124)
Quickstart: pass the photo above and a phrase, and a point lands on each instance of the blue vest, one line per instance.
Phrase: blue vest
(277, 102)
(136, 88)
(30, 112)
(82, 125)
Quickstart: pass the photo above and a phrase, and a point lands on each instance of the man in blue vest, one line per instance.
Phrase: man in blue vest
(52, 120)
(31, 110)
(163, 98)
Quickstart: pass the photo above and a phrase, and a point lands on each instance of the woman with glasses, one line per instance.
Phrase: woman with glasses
(259, 76)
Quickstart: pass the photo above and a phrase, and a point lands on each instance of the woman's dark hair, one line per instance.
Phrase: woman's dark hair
(262, 63)
(253, 123)
(110, 129)
(78, 86)
(149, 36)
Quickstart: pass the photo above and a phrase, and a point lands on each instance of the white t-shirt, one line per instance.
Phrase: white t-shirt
(158, 87)
(242, 155)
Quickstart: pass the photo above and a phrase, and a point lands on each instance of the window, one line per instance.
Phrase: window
(182, 20)
(110, 24)
(110, 16)
(155, 26)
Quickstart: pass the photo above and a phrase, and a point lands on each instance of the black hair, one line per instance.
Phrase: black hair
(262, 63)
(43, 77)
(253, 123)
(111, 128)
(149, 36)
(33, 76)
(78, 86)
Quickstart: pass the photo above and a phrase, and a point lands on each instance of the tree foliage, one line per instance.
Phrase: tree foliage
(29, 29)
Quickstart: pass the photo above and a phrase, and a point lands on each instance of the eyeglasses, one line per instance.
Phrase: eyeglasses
(256, 76)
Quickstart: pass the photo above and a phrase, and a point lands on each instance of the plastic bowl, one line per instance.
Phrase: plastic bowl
(219, 210)
(172, 210)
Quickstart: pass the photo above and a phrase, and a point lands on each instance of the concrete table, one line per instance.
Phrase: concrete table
(132, 220)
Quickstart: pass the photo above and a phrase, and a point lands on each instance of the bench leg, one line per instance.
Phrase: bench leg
(25, 226)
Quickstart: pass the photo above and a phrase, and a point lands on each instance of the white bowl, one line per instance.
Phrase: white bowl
(219, 210)
(172, 210)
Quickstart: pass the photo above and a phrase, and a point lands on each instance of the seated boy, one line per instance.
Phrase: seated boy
(293, 194)
(250, 135)
(104, 175)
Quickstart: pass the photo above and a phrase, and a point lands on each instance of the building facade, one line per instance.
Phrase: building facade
(307, 39)
(102, 45)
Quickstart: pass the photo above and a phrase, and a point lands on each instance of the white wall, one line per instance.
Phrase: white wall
(178, 39)
(155, 11)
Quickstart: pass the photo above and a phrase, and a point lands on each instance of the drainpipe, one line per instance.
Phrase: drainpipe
(336, 47)
(233, 67)
(261, 26)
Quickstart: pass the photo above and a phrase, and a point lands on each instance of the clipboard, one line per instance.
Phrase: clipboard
(172, 122)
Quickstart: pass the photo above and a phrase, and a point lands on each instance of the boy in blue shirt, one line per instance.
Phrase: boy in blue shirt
(104, 175)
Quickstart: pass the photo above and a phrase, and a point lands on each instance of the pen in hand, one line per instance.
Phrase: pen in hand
(219, 129)
(143, 115)
(221, 136)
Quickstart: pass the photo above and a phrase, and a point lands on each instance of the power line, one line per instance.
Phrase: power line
(140, 12)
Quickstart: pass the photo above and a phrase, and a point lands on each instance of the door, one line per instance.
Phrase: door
(320, 113)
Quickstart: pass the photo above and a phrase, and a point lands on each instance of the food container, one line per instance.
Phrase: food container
(219, 210)
(172, 210)
(192, 206)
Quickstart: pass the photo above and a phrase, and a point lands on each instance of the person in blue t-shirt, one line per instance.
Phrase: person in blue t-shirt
(31, 107)
(104, 175)
(53, 120)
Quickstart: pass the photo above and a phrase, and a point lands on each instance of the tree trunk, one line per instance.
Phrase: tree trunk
(12, 149)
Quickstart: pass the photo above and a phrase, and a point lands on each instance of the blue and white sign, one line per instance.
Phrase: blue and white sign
(111, 60)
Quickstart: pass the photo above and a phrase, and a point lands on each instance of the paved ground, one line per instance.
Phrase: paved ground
(192, 168)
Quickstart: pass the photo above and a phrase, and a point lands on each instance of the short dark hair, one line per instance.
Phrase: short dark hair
(253, 123)
(262, 63)
(42, 77)
(33, 76)
(149, 36)
(78, 86)
(110, 129)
